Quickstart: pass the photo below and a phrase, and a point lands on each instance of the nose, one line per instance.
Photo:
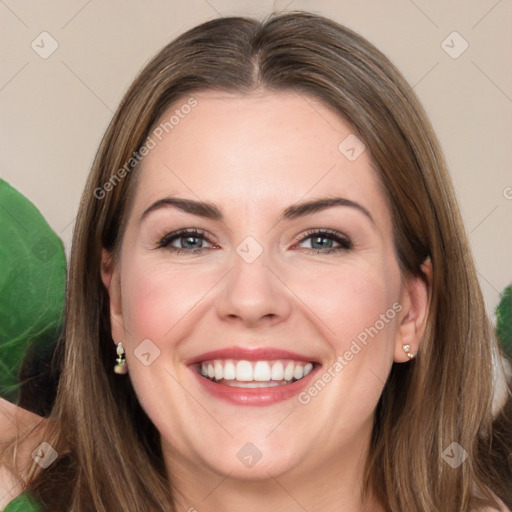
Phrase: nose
(254, 294)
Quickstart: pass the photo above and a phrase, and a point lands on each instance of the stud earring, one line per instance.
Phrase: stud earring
(120, 367)
(407, 350)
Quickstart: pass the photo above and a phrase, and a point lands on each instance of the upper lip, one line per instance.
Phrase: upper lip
(249, 354)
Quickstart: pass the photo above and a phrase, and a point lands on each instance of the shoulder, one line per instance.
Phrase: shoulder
(503, 507)
(15, 422)
(10, 488)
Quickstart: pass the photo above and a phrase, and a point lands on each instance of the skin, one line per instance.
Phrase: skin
(14, 422)
(254, 156)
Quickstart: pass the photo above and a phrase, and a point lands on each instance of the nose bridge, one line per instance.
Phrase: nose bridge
(252, 290)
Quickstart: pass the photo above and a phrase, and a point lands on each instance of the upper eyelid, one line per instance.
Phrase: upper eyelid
(179, 233)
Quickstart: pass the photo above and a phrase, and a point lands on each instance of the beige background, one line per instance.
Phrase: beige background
(55, 110)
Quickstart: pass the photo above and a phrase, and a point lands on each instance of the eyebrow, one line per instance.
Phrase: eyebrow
(211, 211)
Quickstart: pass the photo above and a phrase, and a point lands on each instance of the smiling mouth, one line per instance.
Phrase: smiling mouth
(254, 374)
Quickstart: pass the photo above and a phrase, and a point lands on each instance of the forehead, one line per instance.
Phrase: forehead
(266, 149)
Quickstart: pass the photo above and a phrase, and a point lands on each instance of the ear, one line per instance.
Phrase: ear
(413, 318)
(110, 278)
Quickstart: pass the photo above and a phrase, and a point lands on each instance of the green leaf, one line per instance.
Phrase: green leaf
(23, 503)
(504, 320)
(32, 285)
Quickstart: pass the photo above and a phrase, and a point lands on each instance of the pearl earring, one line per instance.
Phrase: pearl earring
(120, 368)
(407, 350)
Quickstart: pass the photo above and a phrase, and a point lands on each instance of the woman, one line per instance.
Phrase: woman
(271, 300)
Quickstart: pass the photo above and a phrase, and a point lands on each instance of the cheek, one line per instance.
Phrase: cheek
(158, 304)
(155, 298)
(352, 299)
(358, 309)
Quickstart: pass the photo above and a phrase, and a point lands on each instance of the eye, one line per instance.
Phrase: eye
(190, 241)
(322, 241)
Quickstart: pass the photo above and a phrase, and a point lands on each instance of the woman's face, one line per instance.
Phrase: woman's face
(260, 295)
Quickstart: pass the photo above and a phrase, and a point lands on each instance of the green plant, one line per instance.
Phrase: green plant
(504, 320)
(32, 292)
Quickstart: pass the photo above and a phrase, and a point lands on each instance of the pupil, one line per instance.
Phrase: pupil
(189, 240)
(318, 239)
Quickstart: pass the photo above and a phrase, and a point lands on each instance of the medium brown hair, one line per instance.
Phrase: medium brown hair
(110, 457)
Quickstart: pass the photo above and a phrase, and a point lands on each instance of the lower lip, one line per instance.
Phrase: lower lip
(255, 396)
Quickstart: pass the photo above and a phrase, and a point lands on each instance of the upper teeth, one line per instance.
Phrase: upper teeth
(260, 371)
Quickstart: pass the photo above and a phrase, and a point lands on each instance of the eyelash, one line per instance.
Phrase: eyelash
(344, 241)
